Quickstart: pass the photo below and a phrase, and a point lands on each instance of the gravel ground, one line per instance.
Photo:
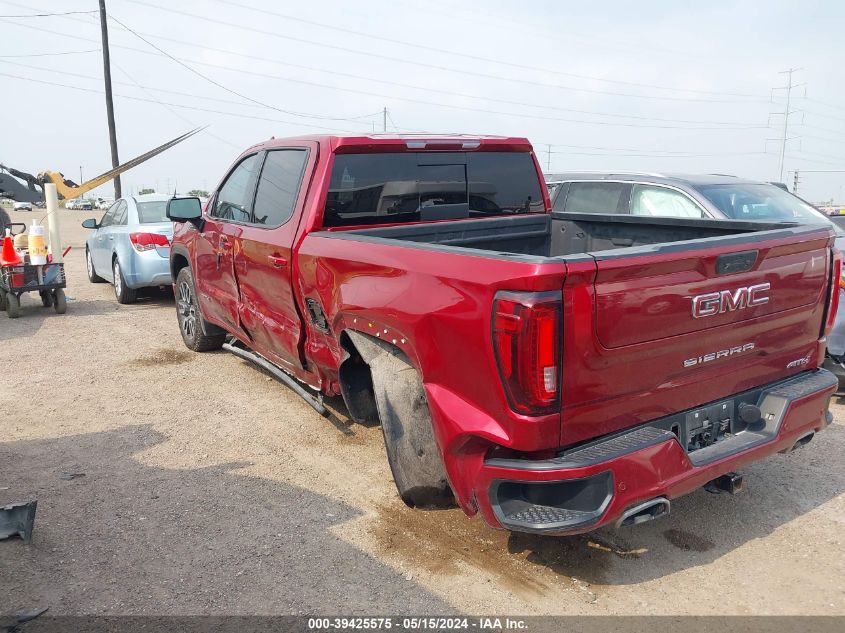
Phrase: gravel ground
(209, 488)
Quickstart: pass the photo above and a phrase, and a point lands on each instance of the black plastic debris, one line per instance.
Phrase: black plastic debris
(22, 618)
(18, 519)
(70, 476)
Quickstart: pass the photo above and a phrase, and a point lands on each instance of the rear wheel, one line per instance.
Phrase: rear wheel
(46, 298)
(123, 293)
(13, 306)
(93, 277)
(59, 301)
(406, 423)
(191, 324)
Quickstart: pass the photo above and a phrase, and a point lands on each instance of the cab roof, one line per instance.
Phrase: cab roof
(404, 142)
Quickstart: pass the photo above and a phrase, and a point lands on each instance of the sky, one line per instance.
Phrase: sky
(656, 86)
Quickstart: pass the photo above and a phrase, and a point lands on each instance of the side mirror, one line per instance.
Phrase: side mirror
(90, 223)
(184, 209)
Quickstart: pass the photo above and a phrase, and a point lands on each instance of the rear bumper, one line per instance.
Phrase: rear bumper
(595, 484)
(146, 269)
(837, 368)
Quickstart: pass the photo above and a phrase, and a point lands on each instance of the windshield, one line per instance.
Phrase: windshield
(762, 202)
(412, 187)
(152, 212)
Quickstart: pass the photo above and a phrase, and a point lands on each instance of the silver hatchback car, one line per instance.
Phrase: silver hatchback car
(130, 245)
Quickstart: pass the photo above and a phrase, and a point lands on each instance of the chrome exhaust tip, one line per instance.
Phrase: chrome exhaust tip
(648, 511)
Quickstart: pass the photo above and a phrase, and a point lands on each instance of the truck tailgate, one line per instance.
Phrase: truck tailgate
(679, 325)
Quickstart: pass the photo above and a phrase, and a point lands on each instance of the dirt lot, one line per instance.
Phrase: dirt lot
(209, 488)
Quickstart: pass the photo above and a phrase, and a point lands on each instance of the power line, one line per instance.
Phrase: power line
(423, 88)
(172, 111)
(221, 86)
(424, 64)
(180, 93)
(411, 86)
(390, 118)
(472, 56)
(47, 15)
(91, 50)
(521, 115)
(824, 103)
(179, 105)
(427, 89)
(667, 153)
(638, 155)
(300, 124)
(821, 129)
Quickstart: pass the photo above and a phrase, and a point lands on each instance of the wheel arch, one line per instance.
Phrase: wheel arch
(377, 386)
(178, 260)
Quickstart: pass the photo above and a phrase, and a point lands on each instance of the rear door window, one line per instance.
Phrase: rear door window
(413, 187)
(234, 200)
(278, 186)
(655, 201)
(152, 212)
(598, 197)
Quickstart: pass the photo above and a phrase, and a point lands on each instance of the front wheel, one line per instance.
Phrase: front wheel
(191, 324)
(59, 301)
(124, 293)
(93, 277)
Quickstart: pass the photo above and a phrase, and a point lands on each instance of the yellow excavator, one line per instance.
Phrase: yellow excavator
(31, 189)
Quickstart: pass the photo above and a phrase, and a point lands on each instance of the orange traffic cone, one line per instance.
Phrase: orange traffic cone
(9, 256)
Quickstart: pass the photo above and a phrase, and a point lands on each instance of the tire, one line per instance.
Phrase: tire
(59, 301)
(46, 298)
(13, 306)
(93, 277)
(192, 326)
(406, 424)
(123, 293)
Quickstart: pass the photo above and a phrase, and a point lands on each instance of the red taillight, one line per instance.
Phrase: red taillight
(526, 340)
(835, 289)
(147, 241)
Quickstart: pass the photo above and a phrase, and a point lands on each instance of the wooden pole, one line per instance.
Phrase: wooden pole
(104, 31)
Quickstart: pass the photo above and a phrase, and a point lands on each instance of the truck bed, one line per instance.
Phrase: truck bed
(533, 238)
(632, 351)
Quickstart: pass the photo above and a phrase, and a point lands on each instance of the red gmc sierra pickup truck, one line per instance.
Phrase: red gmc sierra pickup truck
(554, 372)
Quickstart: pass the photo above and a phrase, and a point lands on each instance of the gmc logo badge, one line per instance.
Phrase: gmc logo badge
(729, 300)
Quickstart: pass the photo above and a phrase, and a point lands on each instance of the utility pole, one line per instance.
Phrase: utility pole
(795, 182)
(384, 119)
(548, 159)
(786, 112)
(80, 175)
(104, 31)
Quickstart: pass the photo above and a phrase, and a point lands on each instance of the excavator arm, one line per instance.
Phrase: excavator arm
(10, 187)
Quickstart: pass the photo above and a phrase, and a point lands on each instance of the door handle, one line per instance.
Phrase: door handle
(277, 261)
